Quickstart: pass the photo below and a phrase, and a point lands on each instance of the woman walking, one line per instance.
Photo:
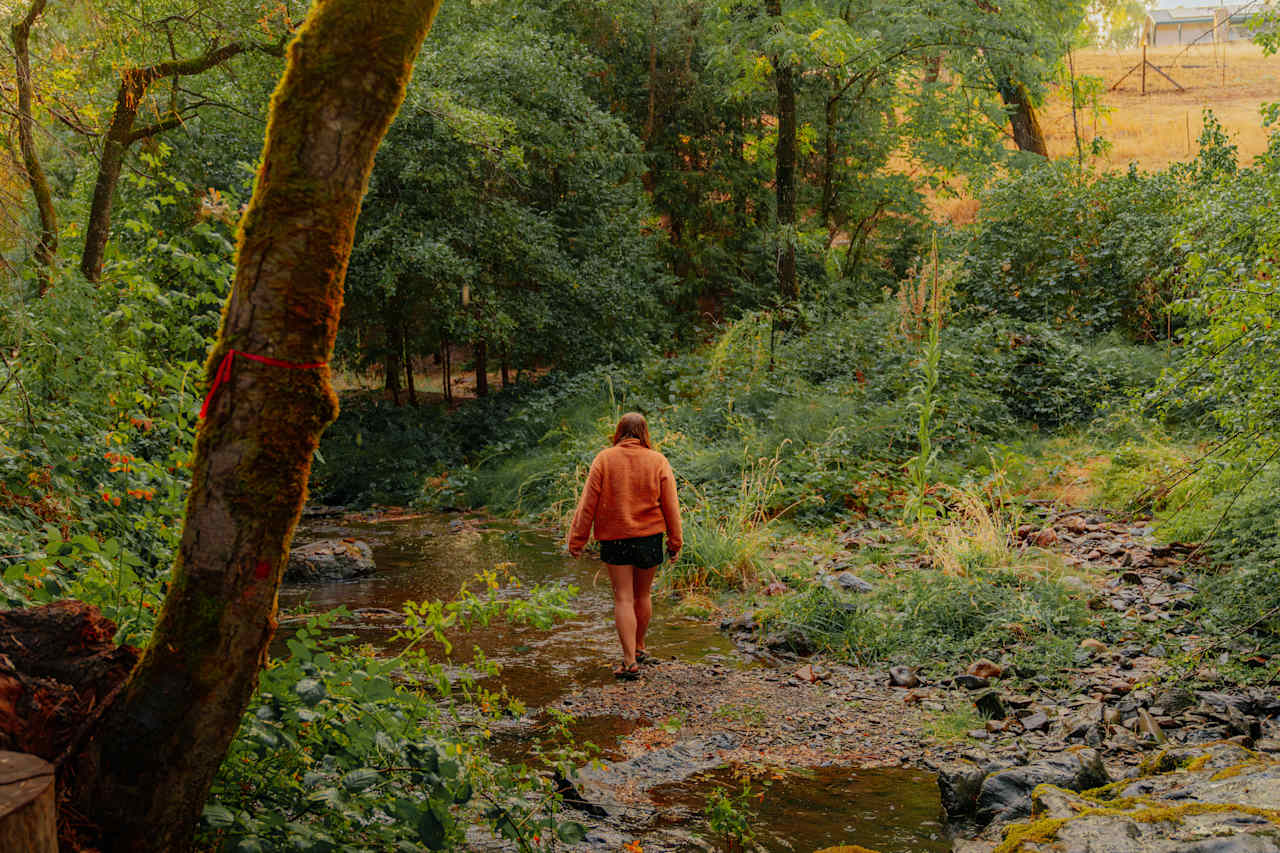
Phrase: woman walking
(630, 498)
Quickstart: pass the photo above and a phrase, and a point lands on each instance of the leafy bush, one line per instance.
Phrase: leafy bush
(346, 749)
(1057, 247)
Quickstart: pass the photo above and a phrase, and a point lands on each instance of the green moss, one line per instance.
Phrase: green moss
(1232, 771)
(1045, 829)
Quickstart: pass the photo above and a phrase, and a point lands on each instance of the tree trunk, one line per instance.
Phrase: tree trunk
(134, 83)
(785, 176)
(28, 811)
(506, 370)
(481, 351)
(47, 242)
(144, 776)
(408, 366)
(114, 145)
(446, 371)
(829, 152)
(933, 69)
(1027, 134)
(391, 371)
(394, 346)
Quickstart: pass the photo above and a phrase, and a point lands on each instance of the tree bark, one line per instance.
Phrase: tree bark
(408, 365)
(785, 175)
(47, 243)
(394, 346)
(506, 369)
(1027, 134)
(446, 371)
(134, 83)
(144, 776)
(830, 151)
(481, 350)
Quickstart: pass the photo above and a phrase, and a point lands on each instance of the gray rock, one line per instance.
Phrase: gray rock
(1148, 726)
(329, 560)
(989, 705)
(1036, 721)
(1005, 795)
(853, 583)
(791, 640)
(971, 682)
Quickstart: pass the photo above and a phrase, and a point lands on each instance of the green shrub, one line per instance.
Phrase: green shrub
(1073, 251)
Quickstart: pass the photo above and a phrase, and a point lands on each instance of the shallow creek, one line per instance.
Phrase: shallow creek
(430, 556)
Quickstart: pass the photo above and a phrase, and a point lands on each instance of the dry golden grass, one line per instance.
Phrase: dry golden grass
(1162, 127)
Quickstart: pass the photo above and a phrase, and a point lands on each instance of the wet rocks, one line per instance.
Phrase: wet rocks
(329, 560)
(656, 767)
(994, 793)
(1220, 798)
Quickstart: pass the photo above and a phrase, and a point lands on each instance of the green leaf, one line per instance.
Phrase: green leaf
(361, 778)
(218, 816)
(571, 833)
(431, 831)
(310, 690)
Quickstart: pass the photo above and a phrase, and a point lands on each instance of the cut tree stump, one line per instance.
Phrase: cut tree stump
(28, 814)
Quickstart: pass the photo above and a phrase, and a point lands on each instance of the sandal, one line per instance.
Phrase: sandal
(627, 673)
(645, 659)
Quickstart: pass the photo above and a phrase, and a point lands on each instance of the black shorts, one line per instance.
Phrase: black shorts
(643, 552)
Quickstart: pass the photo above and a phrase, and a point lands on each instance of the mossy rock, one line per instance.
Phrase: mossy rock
(1202, 805)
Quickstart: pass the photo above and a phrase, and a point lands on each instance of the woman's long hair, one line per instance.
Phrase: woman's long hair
(633, 425)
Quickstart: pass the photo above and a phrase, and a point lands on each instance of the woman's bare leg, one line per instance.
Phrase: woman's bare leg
(624, 609)
(641, 594)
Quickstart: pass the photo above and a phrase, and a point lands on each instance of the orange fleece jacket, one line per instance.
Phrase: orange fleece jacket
(630, 492)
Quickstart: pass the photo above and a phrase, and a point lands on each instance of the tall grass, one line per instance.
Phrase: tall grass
(971, 537)
(724, 540)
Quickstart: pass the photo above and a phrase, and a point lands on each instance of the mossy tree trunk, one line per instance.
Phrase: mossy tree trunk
(1027, 133)
(145, 773)
(47, 243)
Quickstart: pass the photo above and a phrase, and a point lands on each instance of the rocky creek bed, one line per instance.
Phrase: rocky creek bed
(817, 729)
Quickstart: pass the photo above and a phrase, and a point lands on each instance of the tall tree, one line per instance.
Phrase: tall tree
(47, 242)
(785, 165)
(123, 132)
(144, 775)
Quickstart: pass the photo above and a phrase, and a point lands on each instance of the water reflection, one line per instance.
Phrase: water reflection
(430, 556)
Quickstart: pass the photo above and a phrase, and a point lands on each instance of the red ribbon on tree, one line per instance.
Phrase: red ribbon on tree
(223, 375)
